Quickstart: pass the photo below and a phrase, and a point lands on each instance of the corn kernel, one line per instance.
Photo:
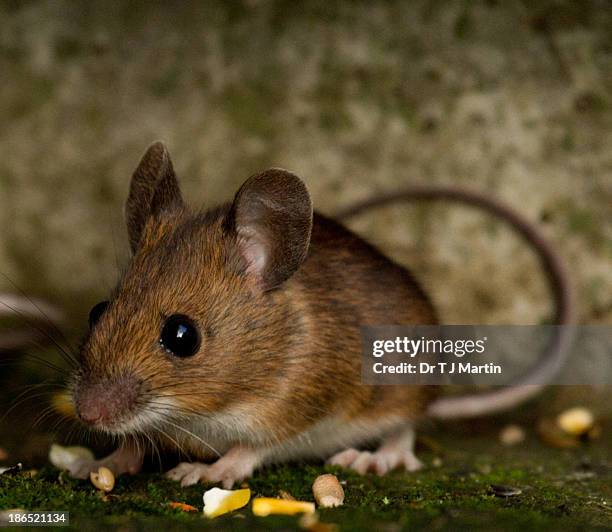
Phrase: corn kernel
(576, 421)
(264, 506)
(218, 502)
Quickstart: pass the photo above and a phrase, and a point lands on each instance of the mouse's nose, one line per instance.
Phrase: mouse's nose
(106, 402)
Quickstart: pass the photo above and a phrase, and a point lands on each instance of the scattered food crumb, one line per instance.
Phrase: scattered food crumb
(11, 470)
(576, 421)
(327, 491)
(512, 435)
(437, 462)
(264, 506)
(103, 479)
(285, 495)
(218, 501)
(183, 507)
(505, 491)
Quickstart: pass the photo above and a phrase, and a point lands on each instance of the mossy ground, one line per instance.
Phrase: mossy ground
(561, 490)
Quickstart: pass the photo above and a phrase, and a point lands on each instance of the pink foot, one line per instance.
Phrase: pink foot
(394, 453)
(238, 464)
(126, 459)
(379, 462)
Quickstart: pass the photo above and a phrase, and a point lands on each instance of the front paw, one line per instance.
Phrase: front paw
(237, 465)
(188, 473)
(126, 459)
(82, 468)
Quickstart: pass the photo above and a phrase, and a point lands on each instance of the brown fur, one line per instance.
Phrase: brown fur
(281, 343)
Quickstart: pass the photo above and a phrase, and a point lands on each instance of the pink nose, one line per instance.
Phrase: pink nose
(106, 402)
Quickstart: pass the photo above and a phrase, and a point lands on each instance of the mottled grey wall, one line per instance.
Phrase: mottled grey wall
(498, 96)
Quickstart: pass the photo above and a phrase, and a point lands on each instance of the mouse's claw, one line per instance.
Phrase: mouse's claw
(238, 464)
(188, 473)
(396, 452)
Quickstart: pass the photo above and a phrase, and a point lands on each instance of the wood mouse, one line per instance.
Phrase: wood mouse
(234, 335)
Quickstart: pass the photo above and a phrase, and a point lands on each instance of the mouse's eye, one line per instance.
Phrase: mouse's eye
(180, 336)
(96, 312)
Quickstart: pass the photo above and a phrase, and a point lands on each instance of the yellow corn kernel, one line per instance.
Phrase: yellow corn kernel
(576, 421)
(263, 506)
(218, 502)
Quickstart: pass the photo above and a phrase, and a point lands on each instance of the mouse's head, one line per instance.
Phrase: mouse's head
(201, 317)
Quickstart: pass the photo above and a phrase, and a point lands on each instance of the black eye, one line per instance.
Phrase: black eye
(96, 312)
(180, 336)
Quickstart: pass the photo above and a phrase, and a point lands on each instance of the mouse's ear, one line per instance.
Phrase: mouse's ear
(272, 219)
(153, 189)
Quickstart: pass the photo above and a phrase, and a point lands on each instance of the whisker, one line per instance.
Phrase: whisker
(22, 401)
(176, 442)
(35, 358)
(45, 413)
(42, 312)
(155, 449)
(70, 358)
(189, 433)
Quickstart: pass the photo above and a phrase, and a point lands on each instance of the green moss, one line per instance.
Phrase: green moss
(560, 490)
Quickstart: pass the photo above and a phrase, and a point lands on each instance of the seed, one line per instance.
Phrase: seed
(505, 491)
(218, 502)
(512, 435)
(103, 479)
(576, 420)
(327, 491)
(264, 506)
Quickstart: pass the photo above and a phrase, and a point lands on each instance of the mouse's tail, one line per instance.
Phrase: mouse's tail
(558, 349)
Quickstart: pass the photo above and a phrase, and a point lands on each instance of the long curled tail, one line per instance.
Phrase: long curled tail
(555, 353)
